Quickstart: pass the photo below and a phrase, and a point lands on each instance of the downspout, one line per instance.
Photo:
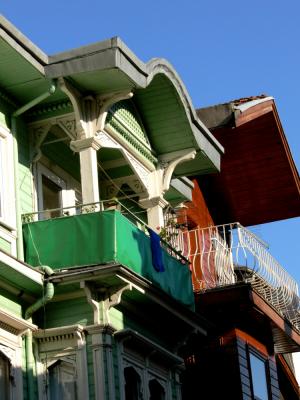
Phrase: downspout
(47, 296)
(14, 116)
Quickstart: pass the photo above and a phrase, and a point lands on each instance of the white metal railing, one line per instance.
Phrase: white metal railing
(226, 254)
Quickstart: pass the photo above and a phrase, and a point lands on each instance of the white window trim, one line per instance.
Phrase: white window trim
(56, 343)
(144, 365)
(62, 179)
(7, 189)
(146, 373)
(11, 347)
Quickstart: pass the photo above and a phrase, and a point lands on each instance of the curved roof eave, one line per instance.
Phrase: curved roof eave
(113, 54)
(162, 66)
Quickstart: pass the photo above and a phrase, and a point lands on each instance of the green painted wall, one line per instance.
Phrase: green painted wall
(65, 313)
(25, 175)
(5, 245)
(90, 366)
(10, 303)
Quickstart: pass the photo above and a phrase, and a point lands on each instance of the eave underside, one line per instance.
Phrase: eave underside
(259, 182)
(239, 306)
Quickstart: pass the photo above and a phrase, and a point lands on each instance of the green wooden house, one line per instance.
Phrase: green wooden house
(95, 148)
(118, 275)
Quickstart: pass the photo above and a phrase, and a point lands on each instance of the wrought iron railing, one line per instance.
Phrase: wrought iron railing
(226, 254)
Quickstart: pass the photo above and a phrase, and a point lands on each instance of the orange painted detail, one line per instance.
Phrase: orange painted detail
(197, 215)
(250, 340)
(197, 212)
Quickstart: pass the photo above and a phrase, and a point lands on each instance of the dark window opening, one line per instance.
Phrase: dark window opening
(132, 384)
(156, 390)
(51, 197)
(4, 377)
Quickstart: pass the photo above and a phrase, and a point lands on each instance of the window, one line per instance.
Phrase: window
(133, 384)
(61, 364)
(56, 189)
(4, 377)
(149, 371)
(62, 381)
(7, 212)
(135, 389)
(258, 374)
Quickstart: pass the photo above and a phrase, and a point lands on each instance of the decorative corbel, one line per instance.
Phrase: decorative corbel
(92, 300)
(77, 102)
(40, 133)
(169, 164)
(106, 104)
(114, 300)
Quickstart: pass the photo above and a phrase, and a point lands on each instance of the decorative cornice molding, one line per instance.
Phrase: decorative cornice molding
(52, 107)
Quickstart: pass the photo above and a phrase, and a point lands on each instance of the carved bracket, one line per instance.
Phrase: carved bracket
(106, 103)
(77, 102)
(169, 163)
(39, 134)
(113, 301)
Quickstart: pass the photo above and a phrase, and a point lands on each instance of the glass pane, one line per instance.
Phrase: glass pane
(259, 378)
(51, 197)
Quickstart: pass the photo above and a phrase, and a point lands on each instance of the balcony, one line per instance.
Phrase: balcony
(111, 236)
(227, 254)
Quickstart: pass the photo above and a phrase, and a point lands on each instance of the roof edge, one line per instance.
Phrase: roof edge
(23, 41)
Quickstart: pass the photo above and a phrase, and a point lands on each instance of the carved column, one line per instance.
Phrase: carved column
(102, 343)
(87, 149)
(155, 214)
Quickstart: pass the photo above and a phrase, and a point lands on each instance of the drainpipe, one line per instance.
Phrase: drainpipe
(47, 296)
(14, 116)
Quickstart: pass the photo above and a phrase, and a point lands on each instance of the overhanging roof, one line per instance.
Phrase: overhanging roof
(259, 181)
(161, 97)
(21, 65)
(240, 306)
(20, 275)
(110, 66)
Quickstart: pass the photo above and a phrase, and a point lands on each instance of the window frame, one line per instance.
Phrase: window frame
(57, 367)
(146, 369)
(7, 190)
(61, 344)
(11, 348)
(254, 352)
(70, 187)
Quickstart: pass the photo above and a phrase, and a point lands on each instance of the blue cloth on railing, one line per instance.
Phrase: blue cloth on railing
(157, 256)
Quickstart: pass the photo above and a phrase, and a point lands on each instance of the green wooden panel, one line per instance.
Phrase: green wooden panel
(5, 245)
(90, 367)
(64, 313)
(25, 175)
(9, 304)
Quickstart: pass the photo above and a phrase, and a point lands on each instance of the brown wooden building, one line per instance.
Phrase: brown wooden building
(240, 288)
